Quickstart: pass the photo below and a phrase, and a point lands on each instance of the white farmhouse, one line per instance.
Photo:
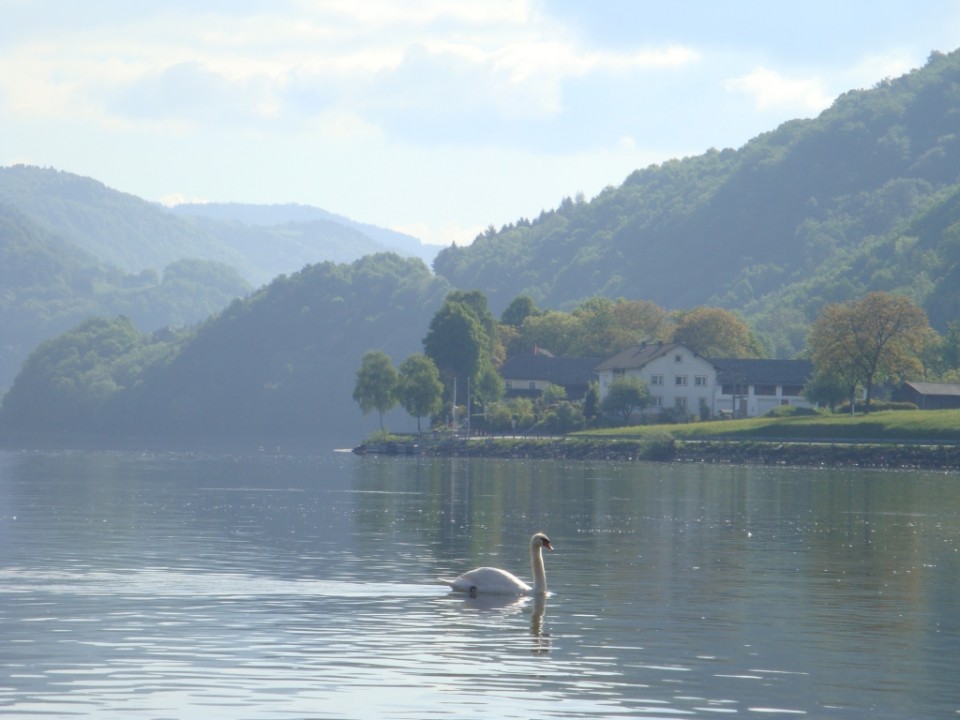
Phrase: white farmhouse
(675, 376)
(678, 378)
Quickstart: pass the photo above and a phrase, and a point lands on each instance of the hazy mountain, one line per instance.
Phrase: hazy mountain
(134, 235)
(115, 227)
(294, 214)
(72, 248)
(48, 285)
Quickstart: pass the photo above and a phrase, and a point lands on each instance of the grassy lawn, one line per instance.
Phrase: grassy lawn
(888, 426)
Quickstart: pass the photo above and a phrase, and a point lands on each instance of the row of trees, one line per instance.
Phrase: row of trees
(465, 345)
(462, 345)
(416, 386)
(601, 327)
(854, 346)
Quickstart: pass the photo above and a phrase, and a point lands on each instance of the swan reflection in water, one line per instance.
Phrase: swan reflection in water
(510, 606)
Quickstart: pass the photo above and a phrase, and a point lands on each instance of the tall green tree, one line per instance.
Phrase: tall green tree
(419, 388)
(880, 337)
(376, 387)
(458, 339)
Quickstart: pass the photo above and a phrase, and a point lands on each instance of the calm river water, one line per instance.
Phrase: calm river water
(182, 585)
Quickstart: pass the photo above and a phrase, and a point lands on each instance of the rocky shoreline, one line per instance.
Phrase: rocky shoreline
(667, 449)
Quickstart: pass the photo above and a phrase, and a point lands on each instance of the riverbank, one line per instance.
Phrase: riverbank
(668, 449)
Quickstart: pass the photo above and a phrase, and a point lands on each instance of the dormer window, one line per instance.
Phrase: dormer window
(678, 358)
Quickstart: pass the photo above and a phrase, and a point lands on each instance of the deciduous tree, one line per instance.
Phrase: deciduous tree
(376, 387)
(877, 338)
(419, 388)
(455, 342)
(715, 332)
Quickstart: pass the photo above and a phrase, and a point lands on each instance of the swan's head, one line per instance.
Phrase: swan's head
(539, 540)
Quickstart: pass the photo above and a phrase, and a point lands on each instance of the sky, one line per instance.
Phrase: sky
(437, 118)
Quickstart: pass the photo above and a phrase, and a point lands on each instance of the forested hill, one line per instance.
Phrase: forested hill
(814, 211)
(279, 364)
(48, 284)
(115, 227)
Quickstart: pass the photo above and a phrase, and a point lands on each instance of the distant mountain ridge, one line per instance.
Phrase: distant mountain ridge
(293, 213)
(134, 234)
(72, 248)
(48, 285)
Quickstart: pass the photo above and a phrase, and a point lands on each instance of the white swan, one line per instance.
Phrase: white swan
(494, 581)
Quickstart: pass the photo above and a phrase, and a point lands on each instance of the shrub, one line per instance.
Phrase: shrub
(563, 418)
(791, 411)
(877, 406)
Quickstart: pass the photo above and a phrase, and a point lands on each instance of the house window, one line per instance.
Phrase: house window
(656, 379)
(657, 401)
(765, 390)
(700, 380)
(680, 403)
(619, 372)
(678, 358)
(508, 384)
(680, 380)
(793, 390)
(533, 385)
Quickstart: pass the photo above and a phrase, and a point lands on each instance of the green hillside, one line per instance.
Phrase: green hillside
(48, 285)
(72, 248)
(115, 227)
(278, 364)
(817, 210)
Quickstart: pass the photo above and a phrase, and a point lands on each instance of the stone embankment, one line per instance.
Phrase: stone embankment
(666, 449)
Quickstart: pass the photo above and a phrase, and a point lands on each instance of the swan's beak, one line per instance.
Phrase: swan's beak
(547, 545)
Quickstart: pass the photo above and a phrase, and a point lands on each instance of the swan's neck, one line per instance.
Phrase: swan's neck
(536, 566)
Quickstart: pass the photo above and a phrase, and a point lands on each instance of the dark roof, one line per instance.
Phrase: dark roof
(564, 371)
(637, 356)
(926, 388)
(762, 372)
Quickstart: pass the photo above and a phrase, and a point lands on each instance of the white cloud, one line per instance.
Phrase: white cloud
(179, 198)
(772, 91)
(379, 62)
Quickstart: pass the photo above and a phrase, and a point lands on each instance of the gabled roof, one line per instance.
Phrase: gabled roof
(638, 356)
(565, 371)
(927, 388)
(762, 372)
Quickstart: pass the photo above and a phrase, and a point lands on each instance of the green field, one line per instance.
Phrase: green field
(887, 426)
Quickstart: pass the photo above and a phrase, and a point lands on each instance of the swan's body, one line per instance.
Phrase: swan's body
(494, 581)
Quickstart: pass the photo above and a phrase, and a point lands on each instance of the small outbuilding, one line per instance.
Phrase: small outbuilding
(930, 396)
